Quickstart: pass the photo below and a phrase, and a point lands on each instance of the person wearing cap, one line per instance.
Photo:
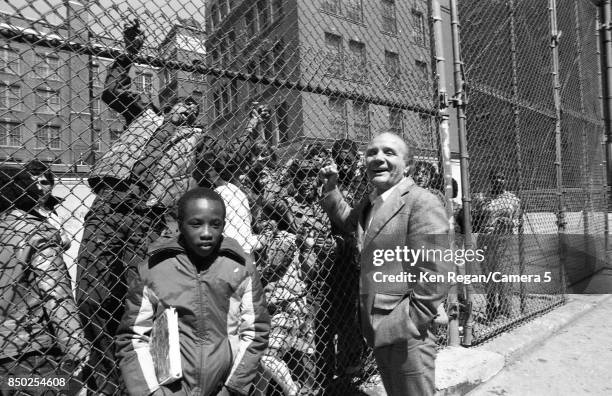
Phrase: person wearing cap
(40, 334)
(496, 219)
(137, 182)
(47, 204)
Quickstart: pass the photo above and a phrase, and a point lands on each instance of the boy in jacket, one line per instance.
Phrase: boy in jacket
(223, 318)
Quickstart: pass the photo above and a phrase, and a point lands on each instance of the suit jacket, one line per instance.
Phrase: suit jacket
(394, 311)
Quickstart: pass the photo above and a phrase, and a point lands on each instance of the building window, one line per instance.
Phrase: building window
(338, 118)
(250, 23)
(9, 61)
(332, 6)
(361, 112)
(353, 10)
(278, 52)
(231, 43)
(395, 121)
(263, 14)
(10, 134)
(357, 61)
(389, 21)
(419, 33)
(392, 64)
(277, 10)
(422, 76)
(10, 97)
(47, 67)
(282, 118)
(144, 83)
(264, 63)
(47, 101)
(333, 44)
(48, 136)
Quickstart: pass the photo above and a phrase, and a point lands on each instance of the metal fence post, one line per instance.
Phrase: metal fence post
(459, 101)
(453, 305)
(517, 138)
(605, 46)
(561, 221)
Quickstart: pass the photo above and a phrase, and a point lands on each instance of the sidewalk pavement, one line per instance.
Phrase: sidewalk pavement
(460, 370)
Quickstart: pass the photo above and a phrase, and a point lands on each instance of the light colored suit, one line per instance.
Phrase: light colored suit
(397, 313)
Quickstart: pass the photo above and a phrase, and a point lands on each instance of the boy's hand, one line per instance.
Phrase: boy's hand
(133, 37)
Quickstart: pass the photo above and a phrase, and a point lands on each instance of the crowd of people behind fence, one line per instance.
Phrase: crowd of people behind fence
(309, 268)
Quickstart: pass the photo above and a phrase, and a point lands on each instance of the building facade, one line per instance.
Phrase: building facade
(352, 54)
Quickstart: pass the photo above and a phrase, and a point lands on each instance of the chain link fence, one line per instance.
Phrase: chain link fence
(513, 124)
(331, 74)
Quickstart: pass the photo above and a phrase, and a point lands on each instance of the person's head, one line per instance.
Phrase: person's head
(43, 177)
(344, 154)
(317, 152)
(201, 218)
(387, 159)
(18, 189)
(497, 181)
(305, 180)
(262, 153)
(424, 174)
(213, 166)
(182, 111)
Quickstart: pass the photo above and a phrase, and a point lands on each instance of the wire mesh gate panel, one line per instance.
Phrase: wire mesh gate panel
(511, 128)
(312, 80)
(326, 71)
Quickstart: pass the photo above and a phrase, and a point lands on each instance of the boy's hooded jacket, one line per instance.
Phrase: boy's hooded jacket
(223, 319)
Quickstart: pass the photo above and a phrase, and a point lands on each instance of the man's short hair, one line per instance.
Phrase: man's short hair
(38, 168)
(198, 193)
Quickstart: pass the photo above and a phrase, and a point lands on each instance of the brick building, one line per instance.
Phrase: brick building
(50, 105)
(361, 52)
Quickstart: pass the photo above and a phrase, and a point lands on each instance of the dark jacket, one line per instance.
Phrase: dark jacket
(156, 157)
(223, 319)
(37, 310)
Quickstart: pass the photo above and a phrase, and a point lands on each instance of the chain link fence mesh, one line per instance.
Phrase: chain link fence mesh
(511, 130)
(328, 71)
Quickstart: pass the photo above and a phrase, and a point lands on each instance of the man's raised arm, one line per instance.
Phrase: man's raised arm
(341, 214)
(117, 94)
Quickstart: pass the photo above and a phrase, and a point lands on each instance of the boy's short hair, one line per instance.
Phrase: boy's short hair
(197, 193)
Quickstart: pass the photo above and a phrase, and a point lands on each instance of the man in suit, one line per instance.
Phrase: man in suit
(395, 315)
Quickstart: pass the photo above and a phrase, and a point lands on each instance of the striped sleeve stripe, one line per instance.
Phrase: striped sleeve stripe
(247, 333)
(140, 343)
